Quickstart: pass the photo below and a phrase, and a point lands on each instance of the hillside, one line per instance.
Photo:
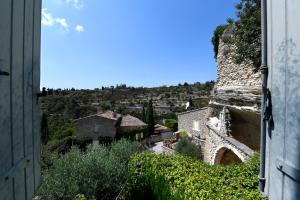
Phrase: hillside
(167, 100)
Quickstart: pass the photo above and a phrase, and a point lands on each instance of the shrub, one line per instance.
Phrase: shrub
(172, 124)
(183, 134)
(216, 38)
(178, 177)
(97, 173)
(186, 147)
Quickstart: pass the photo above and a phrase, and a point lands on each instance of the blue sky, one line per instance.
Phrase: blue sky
(94, 43)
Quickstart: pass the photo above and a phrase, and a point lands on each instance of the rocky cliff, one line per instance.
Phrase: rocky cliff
(237, 85)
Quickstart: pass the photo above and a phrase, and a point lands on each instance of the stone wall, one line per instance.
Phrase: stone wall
(216, 142)
(186, 122)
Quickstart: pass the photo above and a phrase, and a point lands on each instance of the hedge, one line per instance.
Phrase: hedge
(98, 173)
(178, 177)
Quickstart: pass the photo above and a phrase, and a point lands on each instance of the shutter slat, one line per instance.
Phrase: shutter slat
(6, 189)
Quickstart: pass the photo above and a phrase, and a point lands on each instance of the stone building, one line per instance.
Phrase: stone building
(194, 122)
(229, 129)
(107, 124)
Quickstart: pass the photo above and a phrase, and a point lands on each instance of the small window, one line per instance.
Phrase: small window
(196, 125)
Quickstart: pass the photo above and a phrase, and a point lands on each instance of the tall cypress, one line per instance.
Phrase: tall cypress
(150, 119)
(144, 114)
(191, 104)
(44, 128)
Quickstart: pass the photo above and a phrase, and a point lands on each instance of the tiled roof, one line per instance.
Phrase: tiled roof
(191, 111)
(129, 120)
(126, 120)
(110, 115)
(161, 128)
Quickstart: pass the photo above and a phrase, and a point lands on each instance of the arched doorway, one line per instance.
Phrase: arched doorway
(226, 156)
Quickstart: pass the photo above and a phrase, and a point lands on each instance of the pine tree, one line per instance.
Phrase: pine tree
(150, 119)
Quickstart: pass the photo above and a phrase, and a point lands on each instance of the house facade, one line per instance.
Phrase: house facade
(194, 122)
(107, 124)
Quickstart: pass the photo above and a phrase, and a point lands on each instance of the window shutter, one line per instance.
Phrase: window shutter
(20, 162)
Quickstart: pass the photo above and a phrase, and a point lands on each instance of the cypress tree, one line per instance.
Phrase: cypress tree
(150, 119)
(44, 128)
(144, 114)
(191, 104)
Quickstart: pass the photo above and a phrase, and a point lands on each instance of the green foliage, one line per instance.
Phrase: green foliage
(48, 156)
(80, 197)
(60, 128)
(172, 124)
(183, 134)
(179, 177)
(44, 128)
(216, 37)
(131, 134)
(144, 114)
(247, 32)
(97, 173)
(186, 147)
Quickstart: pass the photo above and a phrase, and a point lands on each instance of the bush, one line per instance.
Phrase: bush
(183, 134)
(218, 32)
(186, 147)
(97, 173)
(178, 177)
(172, 124)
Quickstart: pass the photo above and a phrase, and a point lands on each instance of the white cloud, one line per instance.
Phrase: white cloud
(79, 28)
(62, 22)
(75, 3)
(49, 20)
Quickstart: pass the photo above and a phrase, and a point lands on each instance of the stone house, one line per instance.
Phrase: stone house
(107, 124)
(194, 122)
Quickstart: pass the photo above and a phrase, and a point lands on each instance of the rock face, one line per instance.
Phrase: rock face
(237, 85)
(229, 130)
(231, 74)
(234, 125)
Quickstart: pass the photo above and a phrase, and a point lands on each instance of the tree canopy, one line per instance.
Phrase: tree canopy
(246, 32)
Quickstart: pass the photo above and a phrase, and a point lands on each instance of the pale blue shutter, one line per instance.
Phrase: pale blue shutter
(19, 109)
(283, 142)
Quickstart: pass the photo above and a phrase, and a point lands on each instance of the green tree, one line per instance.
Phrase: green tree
(172, 124)
(144, 114)
(191, 104)
(72, 109)
(44, 128)
(150, 118)
(247, 34)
